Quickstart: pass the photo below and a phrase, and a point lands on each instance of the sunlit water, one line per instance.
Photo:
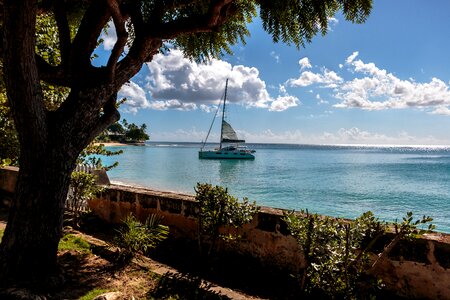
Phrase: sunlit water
(340, 181)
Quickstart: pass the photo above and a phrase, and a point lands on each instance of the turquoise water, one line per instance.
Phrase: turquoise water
(339, 181)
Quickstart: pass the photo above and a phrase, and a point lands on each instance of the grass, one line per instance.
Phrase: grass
(92, 294)
(72, 242)
(1, 235)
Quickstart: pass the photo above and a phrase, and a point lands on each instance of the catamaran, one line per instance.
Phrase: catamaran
(229, 147)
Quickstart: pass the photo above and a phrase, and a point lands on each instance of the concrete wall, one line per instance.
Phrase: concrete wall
(416, 269)
(8, 180)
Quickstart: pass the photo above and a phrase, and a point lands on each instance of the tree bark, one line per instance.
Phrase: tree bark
(29, 247)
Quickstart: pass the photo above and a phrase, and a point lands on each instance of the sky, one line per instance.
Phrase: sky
(386, 81)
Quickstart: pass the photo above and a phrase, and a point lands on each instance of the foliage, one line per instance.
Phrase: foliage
(407, 229)
(135, 133)
(219, 210)
(135, 237)
(125, 132)
(73, 242)
(91, 156)
(93, 293)
(336, 252)
(82, 189)
(181, 286)
(9, 141)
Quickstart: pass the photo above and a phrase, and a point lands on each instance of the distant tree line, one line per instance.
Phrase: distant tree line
(125, 132)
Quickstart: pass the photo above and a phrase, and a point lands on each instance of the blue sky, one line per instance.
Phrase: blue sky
(382, 82)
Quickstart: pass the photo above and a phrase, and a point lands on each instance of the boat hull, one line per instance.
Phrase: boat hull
(221, 154)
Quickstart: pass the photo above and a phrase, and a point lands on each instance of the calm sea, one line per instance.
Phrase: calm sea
(342, 181)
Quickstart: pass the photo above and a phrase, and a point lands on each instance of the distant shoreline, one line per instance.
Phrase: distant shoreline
(108, 144)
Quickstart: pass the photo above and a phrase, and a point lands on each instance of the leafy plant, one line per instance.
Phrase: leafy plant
(178, 286)
(218, 209)
(336, 251)
(91, 156)
(136, 237)
(407, 229)
(82, 188)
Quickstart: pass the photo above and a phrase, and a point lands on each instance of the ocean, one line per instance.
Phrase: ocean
(340, 181)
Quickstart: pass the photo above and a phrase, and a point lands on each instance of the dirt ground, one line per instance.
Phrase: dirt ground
(145, 278)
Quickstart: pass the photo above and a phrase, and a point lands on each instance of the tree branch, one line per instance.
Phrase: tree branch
(85, 42)
(63, 30)
(55, 75)
(122, 37)
(110, 116)
(21, 74)
(218, 13)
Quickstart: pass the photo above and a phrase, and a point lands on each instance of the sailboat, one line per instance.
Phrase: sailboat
(229, 147)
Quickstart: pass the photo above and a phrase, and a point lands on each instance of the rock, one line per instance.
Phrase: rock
(110, 296)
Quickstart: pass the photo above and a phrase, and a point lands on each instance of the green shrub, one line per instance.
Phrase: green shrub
(336, 251)
(218, 209)
(135, 237)
(82, 188)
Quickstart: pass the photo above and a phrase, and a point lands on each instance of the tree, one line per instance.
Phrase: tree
(135, 133)
(51, 138)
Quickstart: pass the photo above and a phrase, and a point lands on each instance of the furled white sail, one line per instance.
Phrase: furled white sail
(228, 134)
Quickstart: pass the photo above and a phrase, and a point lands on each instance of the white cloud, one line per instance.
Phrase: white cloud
(175, 78)
(342, 136)
(109, 38)
(171, 104)
(320, 100)
(332, 21)
(135, 96)
(283, 102)
(373, 88)
(441, 110)
(350, 59)
(275, 56)
(304, 63)
(307, 78)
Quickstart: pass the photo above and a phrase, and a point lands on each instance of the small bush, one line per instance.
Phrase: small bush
(135, 237)
(219, 209)
(337, 263)
(82, 188)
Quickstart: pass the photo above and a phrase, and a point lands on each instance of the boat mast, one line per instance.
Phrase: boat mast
(223, 113)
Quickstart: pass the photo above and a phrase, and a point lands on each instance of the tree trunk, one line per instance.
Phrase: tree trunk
(29, 247)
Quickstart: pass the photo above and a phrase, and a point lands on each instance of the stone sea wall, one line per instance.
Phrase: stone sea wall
(417, 269)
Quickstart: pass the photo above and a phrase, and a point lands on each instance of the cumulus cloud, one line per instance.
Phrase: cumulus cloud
(304, 63)
(135, 95)
(177, 82)
(326, 77)
(283, 102)
(379, 89)
(373, 88)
